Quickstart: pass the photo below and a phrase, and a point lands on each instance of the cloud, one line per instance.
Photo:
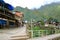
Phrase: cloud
(29, 3)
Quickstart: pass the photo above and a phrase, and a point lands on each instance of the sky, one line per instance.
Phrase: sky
(30, 3)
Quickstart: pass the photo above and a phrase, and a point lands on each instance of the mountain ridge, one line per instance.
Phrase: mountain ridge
(44, 12)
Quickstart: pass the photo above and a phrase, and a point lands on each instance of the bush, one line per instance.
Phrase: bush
(36, 28)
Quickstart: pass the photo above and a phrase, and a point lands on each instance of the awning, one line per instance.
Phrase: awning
(2, 22)
(2, 2)
(6, 5)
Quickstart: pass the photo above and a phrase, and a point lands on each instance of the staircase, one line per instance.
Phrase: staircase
(19, 37)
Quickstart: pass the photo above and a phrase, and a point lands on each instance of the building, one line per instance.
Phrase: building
(19, 16)
(7, 18)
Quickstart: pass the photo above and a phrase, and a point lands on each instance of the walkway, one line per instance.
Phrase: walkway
(6, 34)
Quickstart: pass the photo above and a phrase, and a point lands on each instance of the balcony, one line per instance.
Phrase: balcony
(5, 13)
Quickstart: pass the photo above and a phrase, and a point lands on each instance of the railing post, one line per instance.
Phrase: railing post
(31, 33)
(42, 32)
(39, 32)
(46, 32)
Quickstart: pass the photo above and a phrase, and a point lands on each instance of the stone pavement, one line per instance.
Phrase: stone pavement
(6, 34)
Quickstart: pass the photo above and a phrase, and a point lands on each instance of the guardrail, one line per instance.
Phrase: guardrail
(49, 37)
(37, 34)
(40, 33)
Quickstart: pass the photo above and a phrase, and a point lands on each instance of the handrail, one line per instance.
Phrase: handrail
(49, 37)
(41, 33)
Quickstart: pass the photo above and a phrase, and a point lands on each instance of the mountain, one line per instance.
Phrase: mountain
(45, 12)
(51, 10)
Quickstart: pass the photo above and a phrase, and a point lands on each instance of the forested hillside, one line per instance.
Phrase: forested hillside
(44, 12)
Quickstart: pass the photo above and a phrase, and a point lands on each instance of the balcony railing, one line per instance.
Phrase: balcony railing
(6, 12)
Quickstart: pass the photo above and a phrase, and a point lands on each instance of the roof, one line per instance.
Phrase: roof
(20, 14)
(6, 5)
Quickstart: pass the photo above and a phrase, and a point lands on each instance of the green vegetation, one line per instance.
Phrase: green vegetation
(50, 12)
(45, 12)
(36, 28)
(38, 32)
